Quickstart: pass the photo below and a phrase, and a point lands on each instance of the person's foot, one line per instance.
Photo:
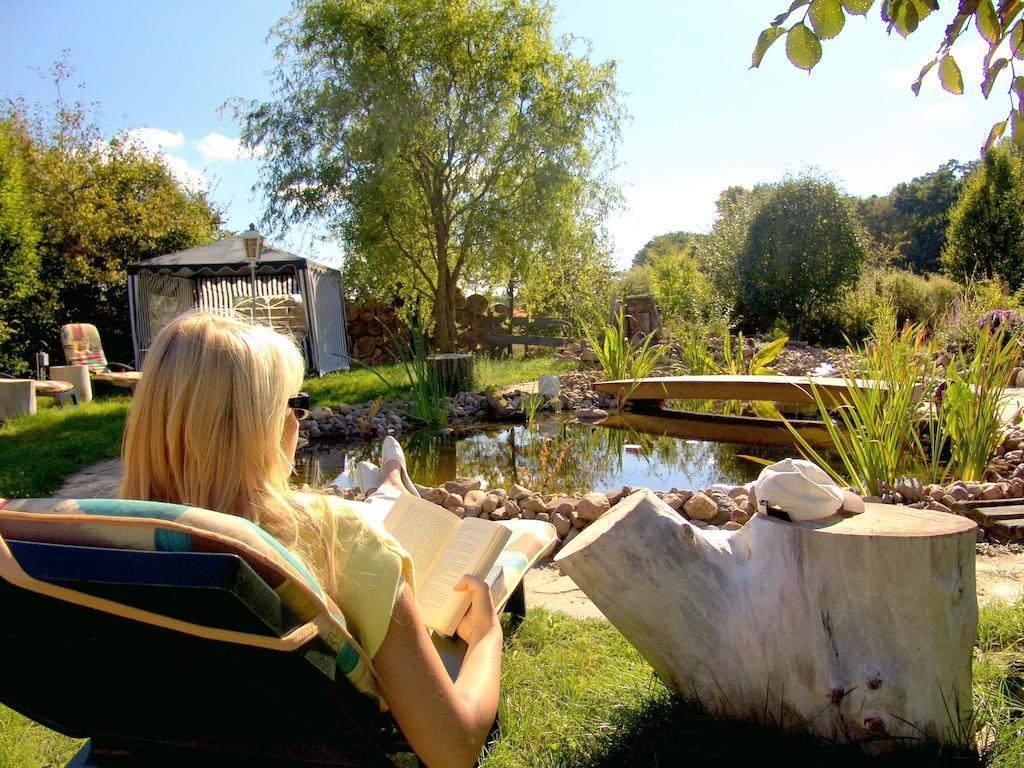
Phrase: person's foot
(392, 457)
(368, 476)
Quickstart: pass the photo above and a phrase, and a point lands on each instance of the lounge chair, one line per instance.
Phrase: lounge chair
(82, 346)
(174, 635)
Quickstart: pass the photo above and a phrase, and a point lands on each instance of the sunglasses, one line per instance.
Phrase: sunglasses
(300, 405)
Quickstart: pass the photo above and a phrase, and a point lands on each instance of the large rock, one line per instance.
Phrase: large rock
(518, 493)
(592, 506)
(562, 524)
(475, 497)
(701, 507)
(461, 485)
(535, 504)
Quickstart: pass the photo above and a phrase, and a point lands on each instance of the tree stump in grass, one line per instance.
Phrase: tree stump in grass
(454, 371)
(856, 629)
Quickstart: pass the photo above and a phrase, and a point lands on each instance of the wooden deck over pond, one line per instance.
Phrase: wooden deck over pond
(783, 389)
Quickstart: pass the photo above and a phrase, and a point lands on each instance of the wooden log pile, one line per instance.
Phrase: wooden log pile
(373, 328)
(475, 318)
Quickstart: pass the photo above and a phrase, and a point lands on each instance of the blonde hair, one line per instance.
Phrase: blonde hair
(206, 423)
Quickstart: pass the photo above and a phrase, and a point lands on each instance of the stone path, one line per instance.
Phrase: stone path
(1000, 575)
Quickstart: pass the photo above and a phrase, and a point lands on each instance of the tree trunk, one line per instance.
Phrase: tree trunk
(453, 371)
(856, 629)
(444, 319)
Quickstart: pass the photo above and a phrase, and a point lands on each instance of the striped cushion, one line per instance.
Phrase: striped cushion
(163, 527)
(82, 346)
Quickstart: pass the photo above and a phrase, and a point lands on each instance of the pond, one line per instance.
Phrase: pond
(553, 454)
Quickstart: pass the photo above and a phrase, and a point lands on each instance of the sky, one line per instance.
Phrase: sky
(700, 119)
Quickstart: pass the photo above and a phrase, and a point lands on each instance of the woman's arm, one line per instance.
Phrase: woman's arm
(445, 723)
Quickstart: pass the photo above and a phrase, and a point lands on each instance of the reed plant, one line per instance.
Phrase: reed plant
(530, 404)
(758, 364)
(424, 393)
(875, 425)
(897, 418)
(969, 402)
(622, 359)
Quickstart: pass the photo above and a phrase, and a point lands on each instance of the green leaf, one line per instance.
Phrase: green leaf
(925, 8)
(987, 21)
(991, 73)
(781, 18)
(764, 42)
(993, 136)
(827, 18)
(858, 7)
(1017, 128)
(1017, 86)
(1017, 39)
(949, 74)
(905, 18)
(802, 47)
(916, 86)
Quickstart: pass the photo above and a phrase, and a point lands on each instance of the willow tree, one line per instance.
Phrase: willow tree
(438, 139)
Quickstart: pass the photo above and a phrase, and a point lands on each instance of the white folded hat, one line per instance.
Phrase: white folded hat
(803, 491)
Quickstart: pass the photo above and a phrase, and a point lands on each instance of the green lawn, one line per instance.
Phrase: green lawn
(575, 693)
(38, 452)
(359, 384)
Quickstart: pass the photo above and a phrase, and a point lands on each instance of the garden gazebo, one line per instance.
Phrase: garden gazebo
(293, 294)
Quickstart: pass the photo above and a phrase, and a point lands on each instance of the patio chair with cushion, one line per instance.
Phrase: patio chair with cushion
(167, 634)
(82, 346)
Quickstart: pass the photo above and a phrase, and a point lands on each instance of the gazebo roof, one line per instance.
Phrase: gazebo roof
(225, 256)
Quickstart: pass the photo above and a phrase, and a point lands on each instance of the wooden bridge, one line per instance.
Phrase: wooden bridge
(783, 389)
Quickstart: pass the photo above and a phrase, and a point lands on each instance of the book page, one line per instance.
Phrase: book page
(472, 550)
(423, 529)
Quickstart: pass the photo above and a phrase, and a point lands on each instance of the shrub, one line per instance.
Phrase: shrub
(682, 292)
(804, 248)
(915, 298)
(985, 237)
(958, 328)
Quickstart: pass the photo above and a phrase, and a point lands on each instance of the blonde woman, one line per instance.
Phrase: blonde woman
(213, 425)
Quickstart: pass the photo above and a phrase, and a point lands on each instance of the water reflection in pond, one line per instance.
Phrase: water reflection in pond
(552, 455)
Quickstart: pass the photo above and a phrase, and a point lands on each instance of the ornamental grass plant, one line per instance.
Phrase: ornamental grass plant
(875, 426)
(623, 359)
(899, 417)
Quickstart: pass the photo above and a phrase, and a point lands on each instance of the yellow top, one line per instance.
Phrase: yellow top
(370, 567)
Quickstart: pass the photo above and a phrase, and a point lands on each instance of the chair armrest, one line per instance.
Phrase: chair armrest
(119, 367)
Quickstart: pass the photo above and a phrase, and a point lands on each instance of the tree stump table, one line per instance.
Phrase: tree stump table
(454, 371)
(856, 629)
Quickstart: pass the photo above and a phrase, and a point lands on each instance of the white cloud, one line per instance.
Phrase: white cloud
(217, 146)
(154, 139)
(189, 177)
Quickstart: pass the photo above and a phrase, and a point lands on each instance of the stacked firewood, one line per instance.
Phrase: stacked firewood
(475, 318)
(374, 326)
(373, 329)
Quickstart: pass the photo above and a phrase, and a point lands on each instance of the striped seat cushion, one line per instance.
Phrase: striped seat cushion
(163, 527)
(82, 346)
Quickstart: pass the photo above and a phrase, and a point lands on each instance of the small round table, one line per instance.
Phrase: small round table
(62, 392)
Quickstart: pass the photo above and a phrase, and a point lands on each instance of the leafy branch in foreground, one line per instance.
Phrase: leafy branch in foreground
(1000, 24)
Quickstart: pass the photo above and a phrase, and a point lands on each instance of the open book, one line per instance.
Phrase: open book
(443, 547)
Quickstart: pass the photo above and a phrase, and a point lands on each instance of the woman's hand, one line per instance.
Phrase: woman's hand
(480, 619)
